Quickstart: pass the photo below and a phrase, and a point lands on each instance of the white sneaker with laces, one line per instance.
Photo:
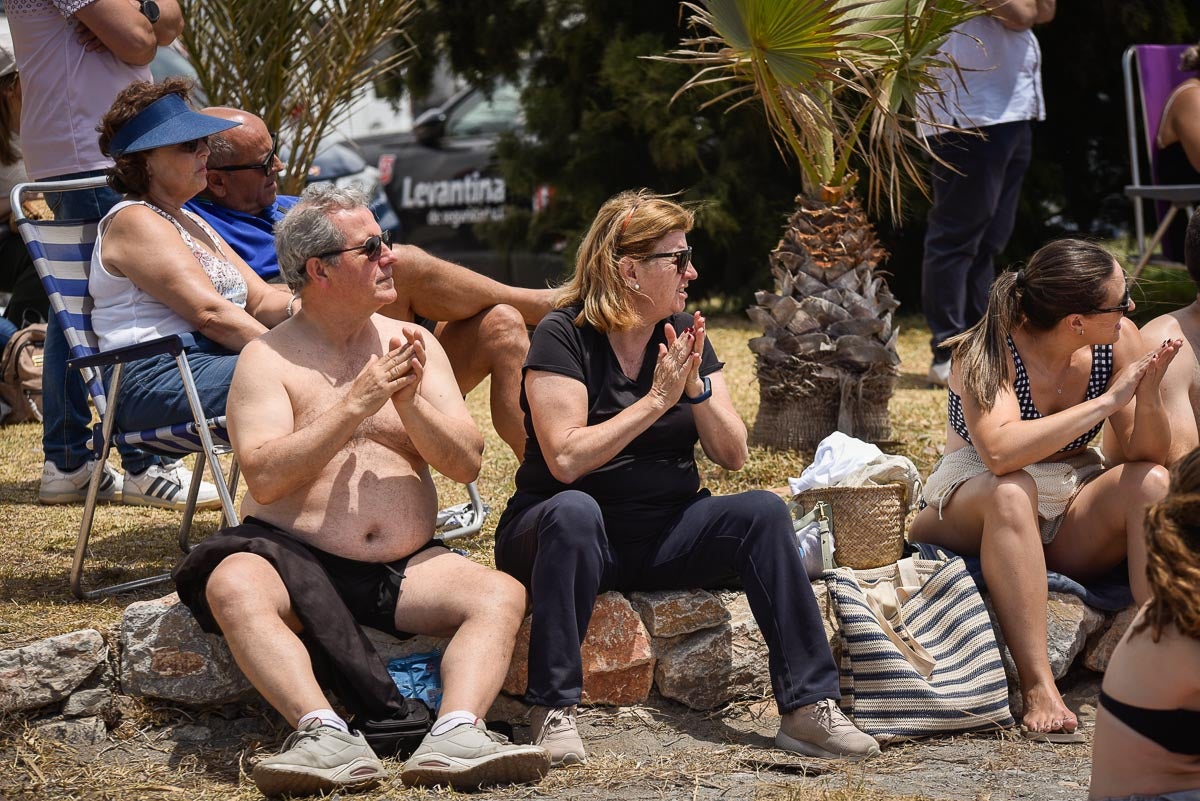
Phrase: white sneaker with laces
(319, 759)
(554, 729)
(822, 730)
(166, 486)
(71, 487)
(469, 756)
(939, 373)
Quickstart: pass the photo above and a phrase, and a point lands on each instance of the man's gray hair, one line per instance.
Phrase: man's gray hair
(308, 230)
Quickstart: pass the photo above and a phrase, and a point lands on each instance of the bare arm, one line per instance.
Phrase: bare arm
(1185, 122)
(439, 290)
(434, 413)
(170, 273)
(558, 407)
(1020, 15)
(1006, 443)
(117, 26)
(276, 458)
(722, 432)
(1174, 391)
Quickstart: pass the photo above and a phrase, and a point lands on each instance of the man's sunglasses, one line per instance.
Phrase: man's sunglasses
(682, 258)
(1124, 308)
(373, 247)
(265, 166)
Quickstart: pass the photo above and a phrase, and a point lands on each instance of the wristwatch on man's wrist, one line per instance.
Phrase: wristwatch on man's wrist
(149, 10)
(703, 396)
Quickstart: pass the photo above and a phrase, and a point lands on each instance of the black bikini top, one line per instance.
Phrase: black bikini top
(1102, 368)
(1174, 729)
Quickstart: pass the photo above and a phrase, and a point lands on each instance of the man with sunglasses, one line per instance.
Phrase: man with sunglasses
(1181, 384)
(336, 418)
(481, 323)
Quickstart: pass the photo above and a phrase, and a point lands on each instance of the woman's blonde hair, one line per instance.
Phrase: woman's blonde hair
(1064, 277)
(628, 224)
(1173, 554)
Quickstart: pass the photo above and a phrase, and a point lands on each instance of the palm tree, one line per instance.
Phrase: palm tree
(299, 64)
(839, 82)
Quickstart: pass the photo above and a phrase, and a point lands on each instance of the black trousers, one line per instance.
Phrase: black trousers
(974, 209)
(561, 550)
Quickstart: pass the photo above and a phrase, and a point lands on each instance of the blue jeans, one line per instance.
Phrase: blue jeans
(559, 548)
(66, 418)
(971, 219)
(7, 329)
(152, 390)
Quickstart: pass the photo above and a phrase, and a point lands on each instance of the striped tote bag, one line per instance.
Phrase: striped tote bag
(918, 653)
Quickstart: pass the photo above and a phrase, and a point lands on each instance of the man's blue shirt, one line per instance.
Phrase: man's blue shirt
(252, 236)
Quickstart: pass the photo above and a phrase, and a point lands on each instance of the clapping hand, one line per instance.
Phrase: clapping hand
(1158, 361)
(385, 376)
(677, 362)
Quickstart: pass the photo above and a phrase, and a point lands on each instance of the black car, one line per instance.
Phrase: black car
(441, 179)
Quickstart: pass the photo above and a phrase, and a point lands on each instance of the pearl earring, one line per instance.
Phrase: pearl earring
(636, 287)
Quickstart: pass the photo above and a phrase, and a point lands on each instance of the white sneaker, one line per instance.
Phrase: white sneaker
(939, 373)
(554, 729)
(822, 730)
(319, 759)
(71, 487)
(166, 486)
(469, 756)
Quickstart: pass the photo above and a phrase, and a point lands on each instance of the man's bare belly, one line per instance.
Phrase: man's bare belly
(369, 503)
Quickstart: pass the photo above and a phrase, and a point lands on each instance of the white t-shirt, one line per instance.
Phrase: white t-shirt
(1001, 78)
(65, 89)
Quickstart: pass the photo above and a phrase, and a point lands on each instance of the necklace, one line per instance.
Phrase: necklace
(1061, 378)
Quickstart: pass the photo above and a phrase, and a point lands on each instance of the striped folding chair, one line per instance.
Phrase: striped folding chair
(62, 253)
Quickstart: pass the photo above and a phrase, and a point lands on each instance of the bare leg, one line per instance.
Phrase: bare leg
(251, 604)
(493, 343)
(1106, 524)
(996, 518)
(480, 609)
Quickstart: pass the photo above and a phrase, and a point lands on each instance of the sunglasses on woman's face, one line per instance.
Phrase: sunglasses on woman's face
(1124, 308)
(193, 145)
(373, 247)
(265, 165)
(682, 258)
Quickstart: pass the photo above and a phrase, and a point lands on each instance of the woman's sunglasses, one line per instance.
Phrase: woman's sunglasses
(265, 166)
(373, 247)
(1126, 305)
(682, 258)
(192, 145)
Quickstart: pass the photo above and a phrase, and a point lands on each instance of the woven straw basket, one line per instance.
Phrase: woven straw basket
(868, 522)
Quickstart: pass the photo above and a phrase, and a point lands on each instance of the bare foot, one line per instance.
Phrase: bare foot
(1045, 710)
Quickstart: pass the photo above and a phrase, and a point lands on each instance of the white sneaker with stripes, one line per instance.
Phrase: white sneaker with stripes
(71, 486)
(166, 486)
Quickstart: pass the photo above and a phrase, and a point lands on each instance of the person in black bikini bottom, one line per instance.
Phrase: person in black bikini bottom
(1147, 743)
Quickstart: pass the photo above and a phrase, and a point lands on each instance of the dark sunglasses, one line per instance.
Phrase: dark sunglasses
(265, 166)
(192, 145)
(373, 247)
(682, 258)
(1126, 305)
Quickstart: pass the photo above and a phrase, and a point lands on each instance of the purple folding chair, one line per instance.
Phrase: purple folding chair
(1151, 72)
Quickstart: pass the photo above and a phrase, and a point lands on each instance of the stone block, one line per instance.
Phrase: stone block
(85, 703)
(708, 668)
(1100, 648)
(164, 654)
(48, 670)
(669, 613)
(618, 664)
(390, 647)
(1069, 623)
(77, 731)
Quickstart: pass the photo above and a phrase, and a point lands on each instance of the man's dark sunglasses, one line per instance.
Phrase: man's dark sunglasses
(265, 166)
(373, 247)
(1126, 305)
(682, 258)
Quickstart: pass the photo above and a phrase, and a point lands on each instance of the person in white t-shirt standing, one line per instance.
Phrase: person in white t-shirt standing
(74, 57)
(995, 96)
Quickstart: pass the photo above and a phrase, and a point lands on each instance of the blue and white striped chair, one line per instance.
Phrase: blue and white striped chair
(62, 254)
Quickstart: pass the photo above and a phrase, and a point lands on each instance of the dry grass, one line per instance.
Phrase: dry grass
(143, 759)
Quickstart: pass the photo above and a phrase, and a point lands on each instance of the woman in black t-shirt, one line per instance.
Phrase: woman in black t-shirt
(619, 385)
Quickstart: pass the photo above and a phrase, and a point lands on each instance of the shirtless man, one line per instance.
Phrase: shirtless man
(482, 323)
(336, 417)
(1181, 383)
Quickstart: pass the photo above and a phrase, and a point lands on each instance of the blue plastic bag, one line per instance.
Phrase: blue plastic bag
(419, 676)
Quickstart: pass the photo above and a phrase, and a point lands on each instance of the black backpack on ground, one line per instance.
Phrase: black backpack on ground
(398, 736)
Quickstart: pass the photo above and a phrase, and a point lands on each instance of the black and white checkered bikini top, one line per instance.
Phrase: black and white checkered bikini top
(1102, 367)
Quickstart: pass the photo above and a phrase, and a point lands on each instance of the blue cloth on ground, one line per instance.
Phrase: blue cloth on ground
(1109, 593)
(419, 676)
